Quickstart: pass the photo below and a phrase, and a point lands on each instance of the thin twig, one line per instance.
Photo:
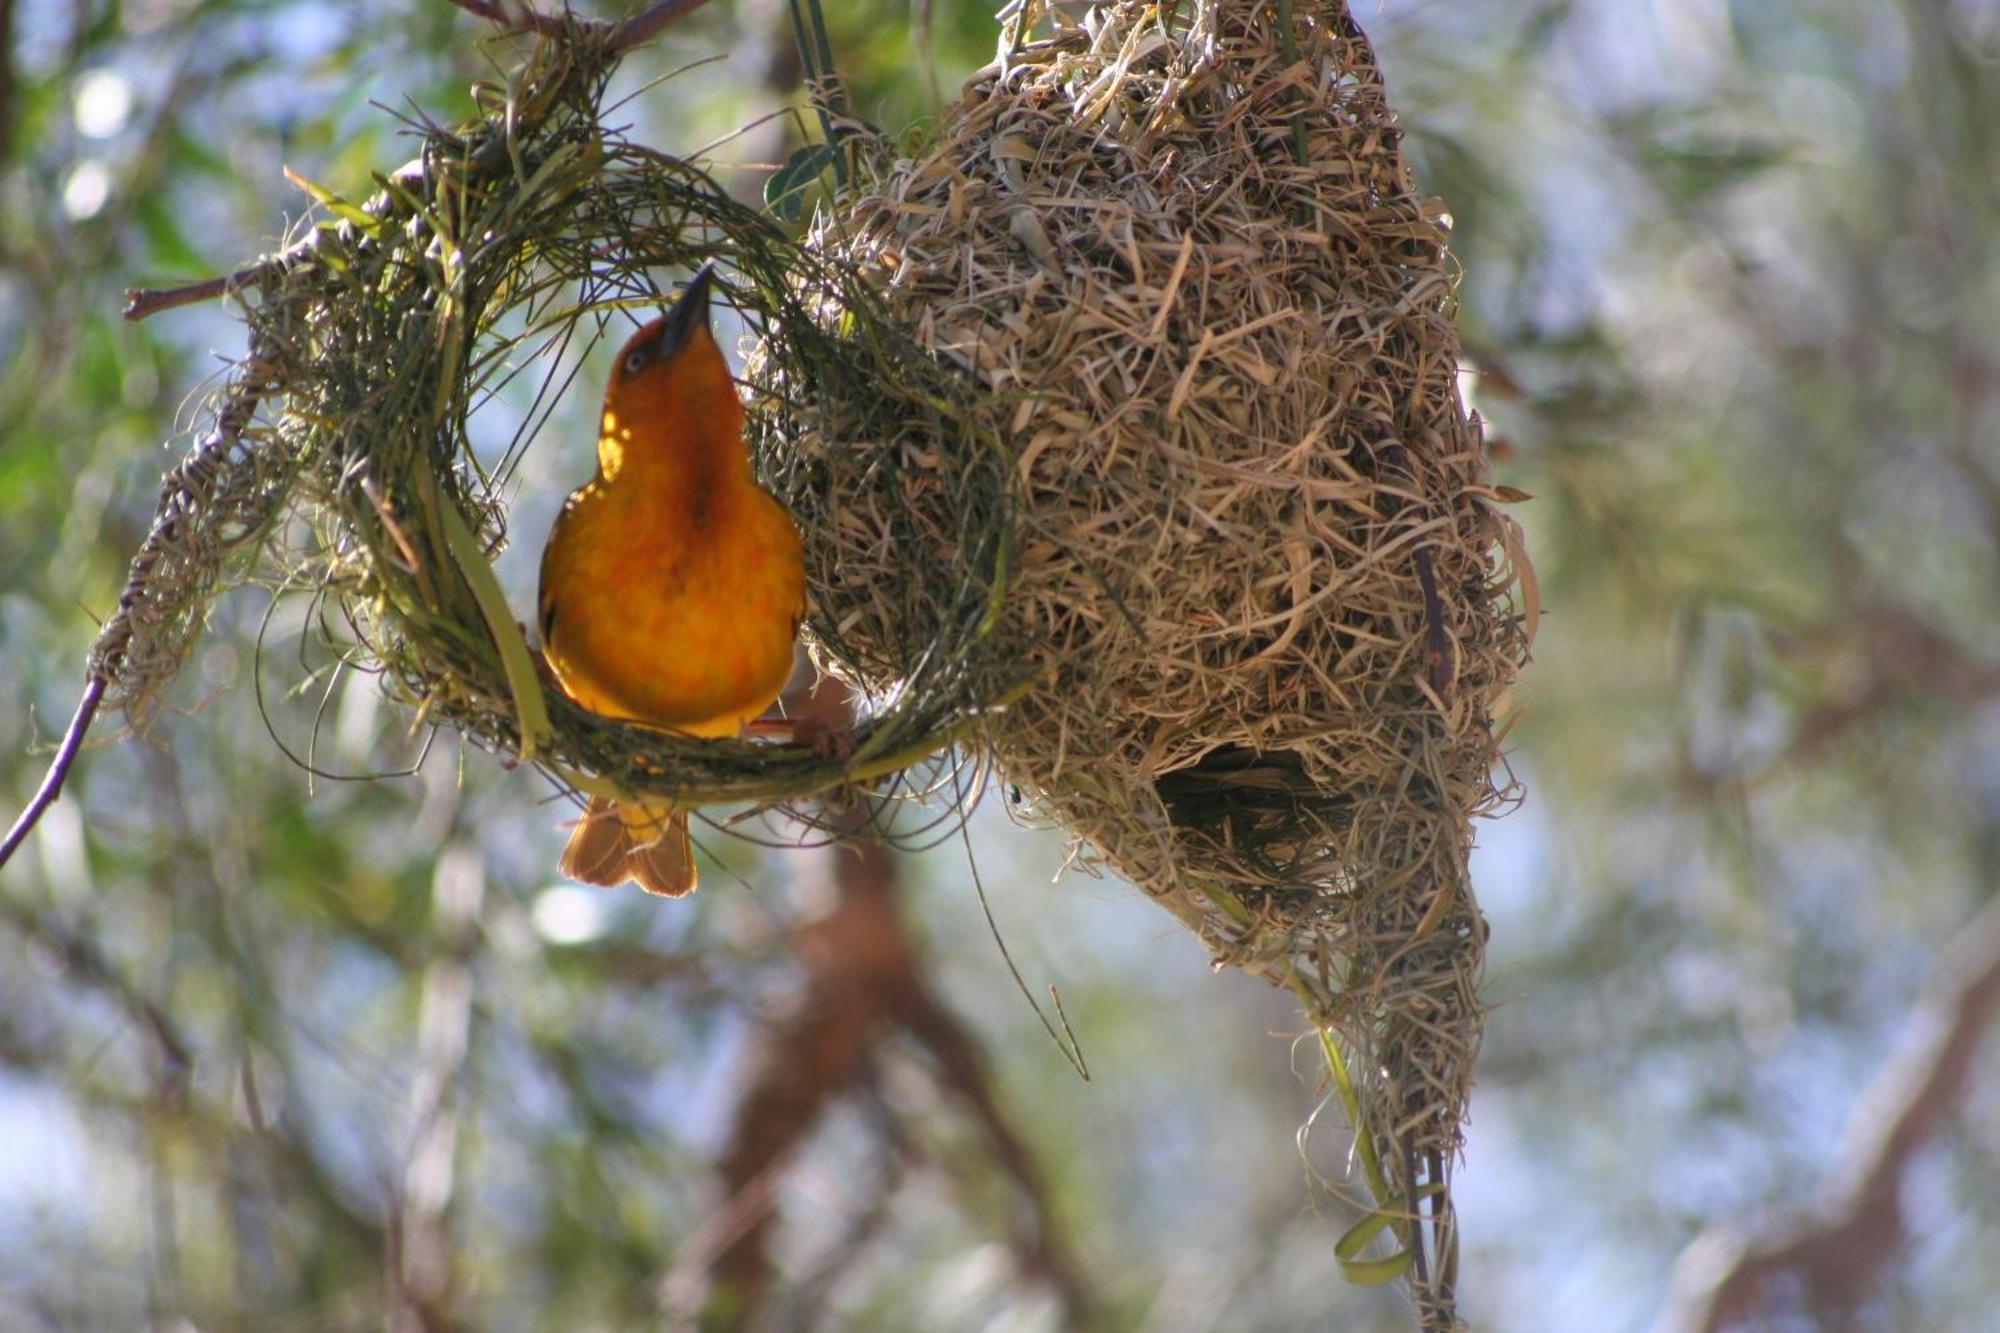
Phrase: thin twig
(518, 17)
(635, 31)
(1065, 1040)
(1438, 668)
(72, 741)
(1429, 1312)
(141, 302)
(79, 955)
(643, 27)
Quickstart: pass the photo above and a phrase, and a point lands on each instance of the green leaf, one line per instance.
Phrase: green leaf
(1393, 1213)
(529, 706)
(336, 204)
(1371, 1272)
(784, 192)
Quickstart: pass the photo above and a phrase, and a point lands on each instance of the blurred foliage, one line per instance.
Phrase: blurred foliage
(1733, 284)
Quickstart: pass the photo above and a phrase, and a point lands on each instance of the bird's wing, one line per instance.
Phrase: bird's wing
(545, 599)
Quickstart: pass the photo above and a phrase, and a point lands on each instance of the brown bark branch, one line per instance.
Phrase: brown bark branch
(516, 16)
(628, 33)
(864, 986)
(854, 952)
(1884, 655)
(1836, 1251)
(894, 1154)
(962, 1070)
(143, 301)
(513, 14)
(646, 25)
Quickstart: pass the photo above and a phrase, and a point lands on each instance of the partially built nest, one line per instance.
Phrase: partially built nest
(339, 447)
(1122, 428)
(1255, 559)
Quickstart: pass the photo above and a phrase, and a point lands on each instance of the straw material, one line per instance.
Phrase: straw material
(1256, 560)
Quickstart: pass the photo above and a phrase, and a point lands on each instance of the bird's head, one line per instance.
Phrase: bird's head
(680, 333)
(672, 370)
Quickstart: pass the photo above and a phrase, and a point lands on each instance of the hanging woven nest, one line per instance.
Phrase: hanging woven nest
(1122, 428)
(1254, 560)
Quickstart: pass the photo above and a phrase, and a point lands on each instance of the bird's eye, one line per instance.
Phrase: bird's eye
(635, 361)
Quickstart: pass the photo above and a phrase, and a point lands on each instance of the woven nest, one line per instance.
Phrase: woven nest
(338, 449)
(1122, 428)
(1255, 558)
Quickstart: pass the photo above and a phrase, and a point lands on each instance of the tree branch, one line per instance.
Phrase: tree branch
(635, 31)
(51, 788)
(512, 14)
(1836, 1251)
(646, 25)
(1039, 1247)
(141, 302)
(516, 16)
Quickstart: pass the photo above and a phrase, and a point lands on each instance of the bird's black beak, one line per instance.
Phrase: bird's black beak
(688, 314)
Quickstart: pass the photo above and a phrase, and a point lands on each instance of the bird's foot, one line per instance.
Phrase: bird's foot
(833, 744)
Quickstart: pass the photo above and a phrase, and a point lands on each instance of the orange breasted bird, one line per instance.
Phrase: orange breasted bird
(672, 585)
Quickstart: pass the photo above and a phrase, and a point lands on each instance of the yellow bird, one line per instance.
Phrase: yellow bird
(672, 584)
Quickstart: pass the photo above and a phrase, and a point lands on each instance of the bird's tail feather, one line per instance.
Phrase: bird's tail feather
(644, 842)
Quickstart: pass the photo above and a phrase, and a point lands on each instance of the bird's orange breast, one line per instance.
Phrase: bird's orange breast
(673, 584)
(673, 616)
